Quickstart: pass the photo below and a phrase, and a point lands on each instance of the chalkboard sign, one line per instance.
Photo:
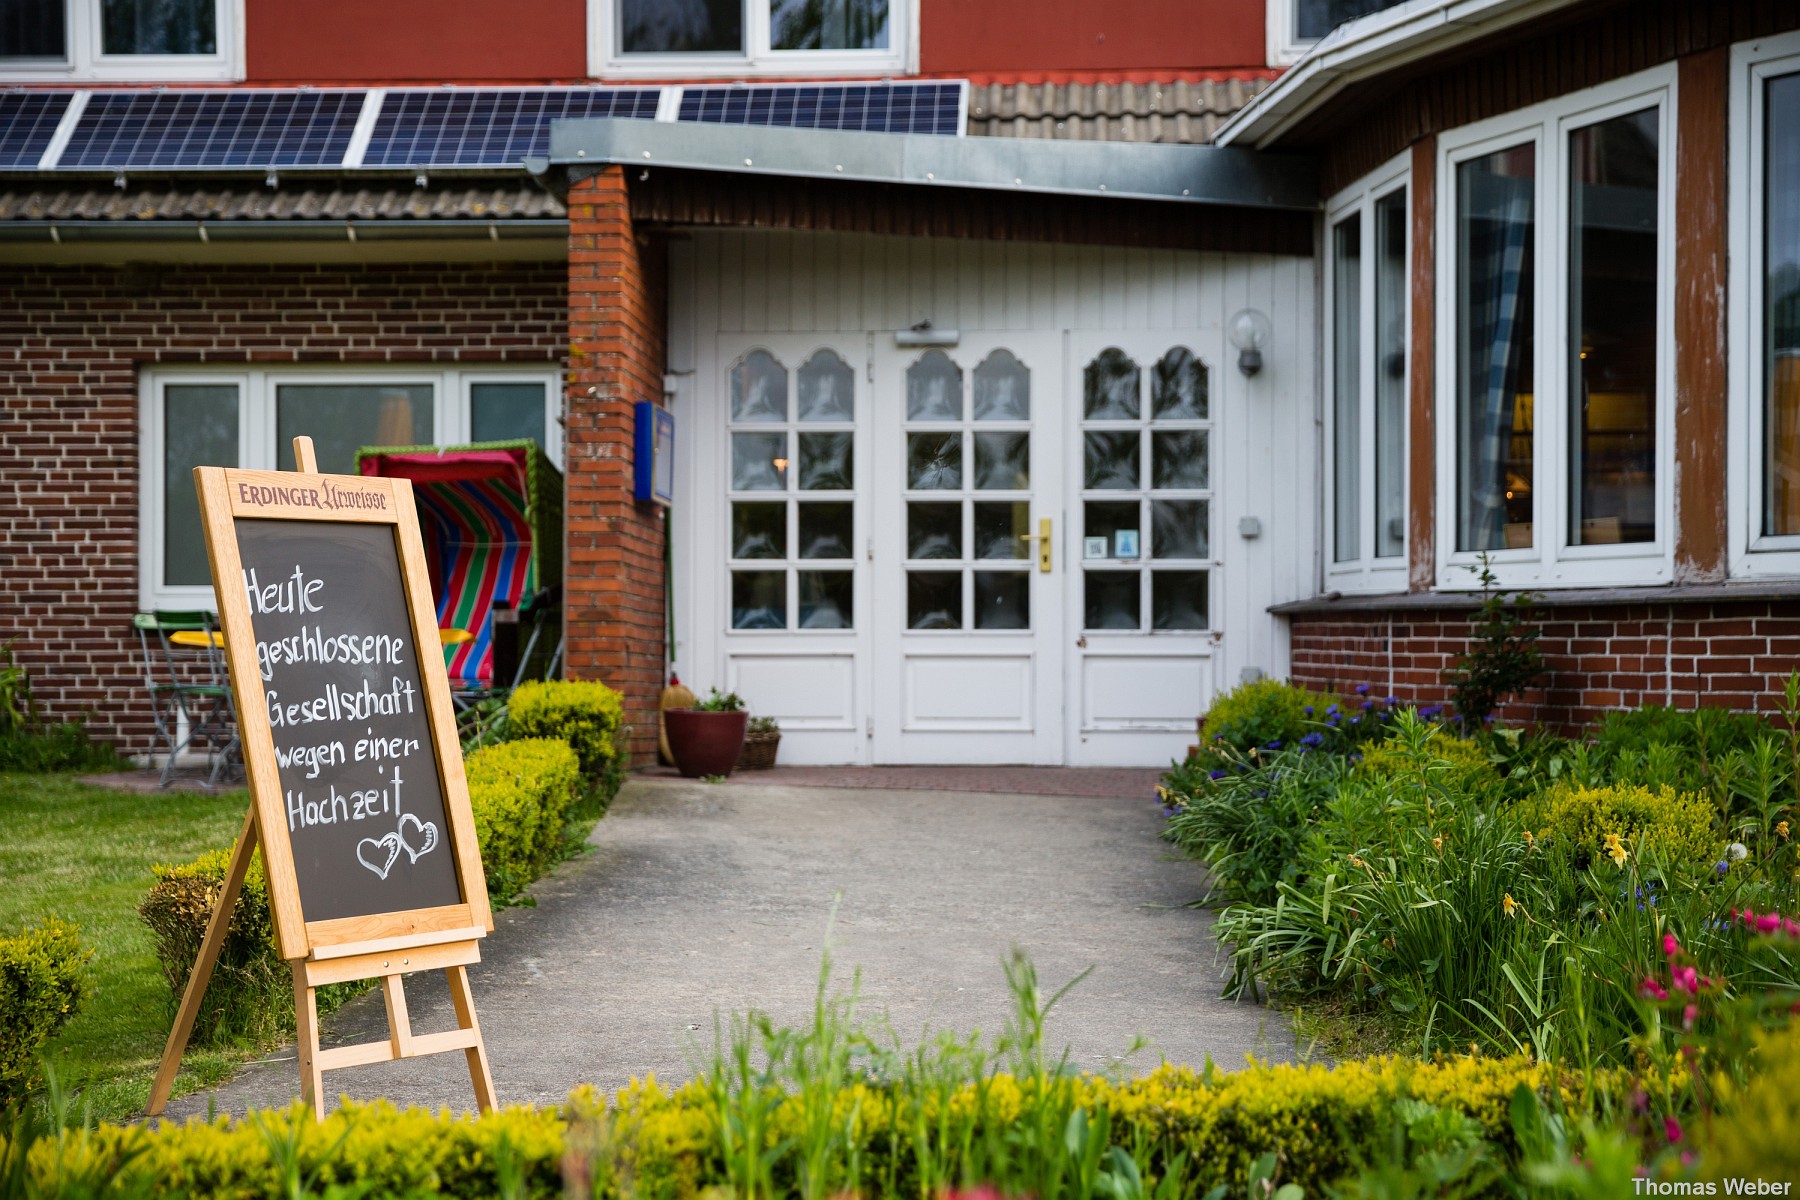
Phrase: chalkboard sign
(346, 707)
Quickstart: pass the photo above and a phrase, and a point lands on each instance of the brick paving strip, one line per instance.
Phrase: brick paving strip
(701, 899)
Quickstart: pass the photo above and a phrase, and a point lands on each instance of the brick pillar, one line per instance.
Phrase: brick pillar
(614, 579)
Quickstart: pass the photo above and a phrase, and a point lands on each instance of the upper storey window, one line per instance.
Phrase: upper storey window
(1294, 25)
(120, 39)
(705, 37)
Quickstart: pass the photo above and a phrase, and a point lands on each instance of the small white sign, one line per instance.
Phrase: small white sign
(1125, 543)
(1094, 547)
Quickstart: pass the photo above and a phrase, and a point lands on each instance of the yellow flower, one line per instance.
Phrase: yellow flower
(1529, 840)
(1781, 827)
(1615, 850)
(1437, 843)
(1509, 906)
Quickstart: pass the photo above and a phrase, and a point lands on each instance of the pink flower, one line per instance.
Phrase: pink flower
(1687, 1017)
(1768, 923)
(1652, 990)
(1671, 947)
(1791, 927)
(1684, 979)
(1672, 1128)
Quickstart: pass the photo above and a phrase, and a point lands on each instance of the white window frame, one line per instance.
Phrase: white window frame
(605, 58)
(86, 61)
(1285, 49)
(1752, 554)
(451, 387)
(1365, 573)
(1551, 562)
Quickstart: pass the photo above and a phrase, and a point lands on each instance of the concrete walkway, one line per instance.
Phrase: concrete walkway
(713, 898)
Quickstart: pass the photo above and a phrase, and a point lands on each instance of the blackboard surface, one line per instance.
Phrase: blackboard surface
(353, 745)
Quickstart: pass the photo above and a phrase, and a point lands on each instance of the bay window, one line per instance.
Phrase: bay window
(249, 418)
(1554, 375)
(654, 37)
(1367, 291)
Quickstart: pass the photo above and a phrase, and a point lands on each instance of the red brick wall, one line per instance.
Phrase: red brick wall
(1727, 654)
(72, 342)
(613, 584)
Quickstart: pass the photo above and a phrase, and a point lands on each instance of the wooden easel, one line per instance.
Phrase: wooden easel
(385, 947)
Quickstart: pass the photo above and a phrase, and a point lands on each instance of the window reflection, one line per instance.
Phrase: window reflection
(1781, 309)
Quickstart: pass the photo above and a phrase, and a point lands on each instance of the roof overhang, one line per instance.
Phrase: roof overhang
(1371, 46)
(1179, 174)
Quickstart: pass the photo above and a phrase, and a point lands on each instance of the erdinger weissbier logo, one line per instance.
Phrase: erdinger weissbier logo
(327, 497)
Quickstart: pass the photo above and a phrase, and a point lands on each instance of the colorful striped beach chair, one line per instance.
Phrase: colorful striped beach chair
(491, 517)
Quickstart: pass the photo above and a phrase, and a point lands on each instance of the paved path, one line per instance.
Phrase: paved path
(700, 899)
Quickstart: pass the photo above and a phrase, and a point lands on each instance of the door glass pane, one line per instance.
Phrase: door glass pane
(1002, 461)
(1781, 309)
(343, 418)
(759, 388)
(694, 27)
(934, 530)
(934, 388)
(200, 429)
(1110, 460)
(1002, 389)
(1000, 530)
(505, 412)
(828, 24)
(825, 599)
(827, 386)
(159, 26)
(1390, 375)
(1346, 386)
(1178, 393)
(1179, 459)
(1105, 519)
(34, 29)
(934, 600)
(1178, 529)
(933, 460)
(1178, 600)
(759, 530)
(1113, 599)
(826, 530)
(1495, 227)
(1612, 330)
(759, 599)
(825, 464)
(759, 462)
(1110, 387)
(1002, 600)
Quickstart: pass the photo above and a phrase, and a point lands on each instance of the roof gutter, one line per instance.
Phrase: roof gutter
(386, 229)
(1201, 175)
(1368, 47)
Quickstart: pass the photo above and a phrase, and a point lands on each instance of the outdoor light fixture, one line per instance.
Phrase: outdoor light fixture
(1249, 333)
(923, 334)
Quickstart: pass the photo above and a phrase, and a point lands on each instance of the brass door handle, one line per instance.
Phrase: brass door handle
(1042, 538)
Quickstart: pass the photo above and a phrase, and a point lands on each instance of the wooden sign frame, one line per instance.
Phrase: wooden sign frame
(385, 946)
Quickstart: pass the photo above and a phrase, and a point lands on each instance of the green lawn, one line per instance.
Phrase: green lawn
(84, 854)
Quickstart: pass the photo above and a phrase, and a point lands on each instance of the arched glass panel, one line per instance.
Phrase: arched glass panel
(1002, 388)
(1178, 392)
(827, 387)
(1110, 387)
(759, 388)
(934, 388)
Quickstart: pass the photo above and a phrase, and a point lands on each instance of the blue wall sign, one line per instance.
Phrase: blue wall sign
(655, 457)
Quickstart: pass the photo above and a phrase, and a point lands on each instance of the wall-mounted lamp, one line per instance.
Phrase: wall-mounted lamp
(923, 334)
(1249, 332)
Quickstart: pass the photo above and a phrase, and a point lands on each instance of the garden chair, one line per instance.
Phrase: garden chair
(190, 695)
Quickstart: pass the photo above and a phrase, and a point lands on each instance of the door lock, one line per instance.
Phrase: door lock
(1042, 538)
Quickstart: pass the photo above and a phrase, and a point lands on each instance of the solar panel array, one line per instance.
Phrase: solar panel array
(934, 108)
(489, 128)
(192, 128)
(28, 121)
(246, 128)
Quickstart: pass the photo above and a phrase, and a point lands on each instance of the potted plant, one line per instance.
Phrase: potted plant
(760, 744)
(708, 738)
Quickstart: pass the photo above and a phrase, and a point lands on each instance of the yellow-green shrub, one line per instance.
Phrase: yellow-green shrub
(651, 1143)
(1674, 825)
(521, 793)
(41, 987)
(1758, 1134)
(588, 716)
(1261, 712)
(1451, 761)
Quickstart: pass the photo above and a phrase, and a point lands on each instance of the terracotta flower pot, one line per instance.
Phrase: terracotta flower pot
(705, 743)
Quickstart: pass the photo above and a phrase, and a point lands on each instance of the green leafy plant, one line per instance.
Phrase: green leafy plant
(589, 716)
(764, 725)
(1503, 658)
(1263, 712)
(42, 985)
(717, 701)
(18, 713)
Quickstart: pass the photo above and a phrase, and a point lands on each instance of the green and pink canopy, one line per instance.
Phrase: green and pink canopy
(490, 514)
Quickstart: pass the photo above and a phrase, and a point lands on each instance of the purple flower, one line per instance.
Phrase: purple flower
(1307, 710)
(1331, 709)
(1362, 689)
(1391, 700)
(1216, 775)
(1430, 711)
(1274, 745)
(1313, 739)
(1367, 705)
(1721, 866)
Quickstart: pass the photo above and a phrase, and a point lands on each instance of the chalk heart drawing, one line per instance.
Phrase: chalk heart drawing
(422, 841)
(378, 854)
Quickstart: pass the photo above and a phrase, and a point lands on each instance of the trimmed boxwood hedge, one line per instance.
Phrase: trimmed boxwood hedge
(41, 987)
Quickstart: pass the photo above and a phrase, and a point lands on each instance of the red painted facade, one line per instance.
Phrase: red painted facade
(1028, 37)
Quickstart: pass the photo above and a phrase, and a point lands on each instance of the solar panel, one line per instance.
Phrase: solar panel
(934, 108)
(469, 128)
(193, 128)
(28, 121)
